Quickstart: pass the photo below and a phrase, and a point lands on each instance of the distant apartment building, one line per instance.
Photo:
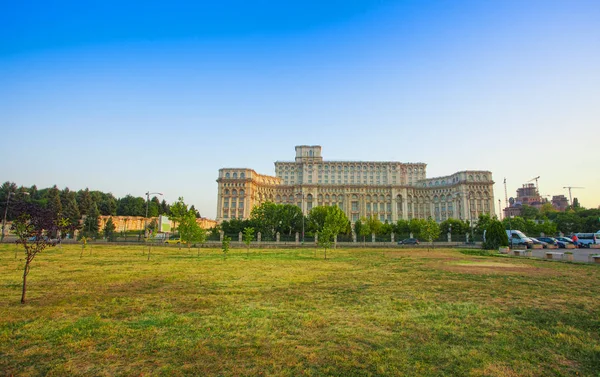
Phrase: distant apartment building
(388, 190)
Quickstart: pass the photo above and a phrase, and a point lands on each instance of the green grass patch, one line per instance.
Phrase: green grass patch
(362, 312)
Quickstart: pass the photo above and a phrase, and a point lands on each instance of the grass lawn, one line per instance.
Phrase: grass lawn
(288, 313)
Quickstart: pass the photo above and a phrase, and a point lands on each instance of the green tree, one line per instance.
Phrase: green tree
(71, 211)
(402, 227)
(430, 230)
(495, 235)
(290, 218)
(325, 239)
(84, 200)
(483, 223)
(109, 230)
(357, 227)
(90, 224)
(316, 218)
(374, 225)
(529, 212)
(225, 245)
(266, 218)
(131, 206)
(190, 231)
(365, 229)
(567, 222)
(547, 209)
(336, 221)
(178, 211)
(415, 226)
(514, 223)
(457, 226)
(248, 238)
(54, 203)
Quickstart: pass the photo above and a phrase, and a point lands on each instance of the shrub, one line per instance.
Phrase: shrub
(495, 236)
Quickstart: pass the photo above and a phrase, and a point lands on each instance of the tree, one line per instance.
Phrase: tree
(84, 200)
(365, 229)
(483, 222)
(189, 230)
(386, 229)
(457, 226)
(196, 212)
(529, 212)
(325, 237)
(547, 209)
(54, 203)
(178, 211)
(90, 225)
(336, 221)
(495, 235)
(290, 218)
(225, 246)
(266, 218)
(402, 227)
(430, 230)
(248, 238)
(109, 230)
(34, 226)
(71, 210)
(374, 225)
(415, 225)
(131, 206)
(316, 218)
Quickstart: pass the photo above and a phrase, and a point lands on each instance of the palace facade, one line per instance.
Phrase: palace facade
(389, 190)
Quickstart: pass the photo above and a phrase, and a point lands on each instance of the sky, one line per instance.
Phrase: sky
(129, 97)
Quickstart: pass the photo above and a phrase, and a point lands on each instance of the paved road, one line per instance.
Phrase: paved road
(579, 255)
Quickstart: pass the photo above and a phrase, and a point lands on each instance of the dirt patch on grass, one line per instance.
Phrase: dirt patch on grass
(486, 268)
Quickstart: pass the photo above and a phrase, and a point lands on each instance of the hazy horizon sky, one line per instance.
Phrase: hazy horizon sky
(129, 97)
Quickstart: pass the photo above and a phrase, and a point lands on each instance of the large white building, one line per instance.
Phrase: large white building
(389, 190)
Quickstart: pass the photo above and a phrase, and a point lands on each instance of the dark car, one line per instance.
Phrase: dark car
(551, 241)
(563, 241)
(537, 241)
(409, 241)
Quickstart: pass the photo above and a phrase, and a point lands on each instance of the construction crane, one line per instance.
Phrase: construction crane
(570, 197)
(536, 183)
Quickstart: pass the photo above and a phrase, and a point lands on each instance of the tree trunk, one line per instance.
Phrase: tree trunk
(25, 273)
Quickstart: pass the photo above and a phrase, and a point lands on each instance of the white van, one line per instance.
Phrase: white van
(516, 237)
(587, 239)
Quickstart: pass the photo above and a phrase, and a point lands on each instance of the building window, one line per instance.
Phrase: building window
(355, 206)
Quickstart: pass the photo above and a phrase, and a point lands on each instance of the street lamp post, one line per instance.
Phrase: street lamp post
(302, 219)
(146, 217)
(470, 214)
(5, 213)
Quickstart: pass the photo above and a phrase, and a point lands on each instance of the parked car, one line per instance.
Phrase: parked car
(551, 241)
(563, 241)
(539, 242)
(175, 239)
(409, 241)
(516, 237)
(587, 239)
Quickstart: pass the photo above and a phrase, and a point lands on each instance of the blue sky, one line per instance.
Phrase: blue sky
(127, 97)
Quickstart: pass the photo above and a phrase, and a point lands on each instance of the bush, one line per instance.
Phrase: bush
(495, 236)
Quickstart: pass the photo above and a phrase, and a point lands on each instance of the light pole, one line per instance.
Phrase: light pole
(5, 213)
(146, 217)
(470, 214)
